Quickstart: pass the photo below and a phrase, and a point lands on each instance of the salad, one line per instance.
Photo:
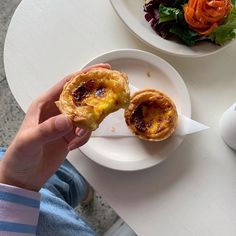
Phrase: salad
(192, 21)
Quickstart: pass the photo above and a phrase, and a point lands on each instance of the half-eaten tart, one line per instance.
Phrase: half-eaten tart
(151, 115)
(89, 97)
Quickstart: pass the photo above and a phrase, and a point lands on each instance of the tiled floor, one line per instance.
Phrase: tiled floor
(98, 214)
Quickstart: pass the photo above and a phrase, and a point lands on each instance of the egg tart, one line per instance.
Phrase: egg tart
(151, 115)
(89, 97)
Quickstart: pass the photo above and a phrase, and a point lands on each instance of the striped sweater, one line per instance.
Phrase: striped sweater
(19, 211)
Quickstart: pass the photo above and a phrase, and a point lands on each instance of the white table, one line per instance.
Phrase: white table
(193, 192)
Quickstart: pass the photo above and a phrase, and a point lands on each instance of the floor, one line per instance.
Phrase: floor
(99, 214)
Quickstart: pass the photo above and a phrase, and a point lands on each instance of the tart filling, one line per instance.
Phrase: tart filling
(151, 115)
(89, 97)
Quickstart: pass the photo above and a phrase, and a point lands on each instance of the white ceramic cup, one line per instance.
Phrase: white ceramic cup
(228, 126)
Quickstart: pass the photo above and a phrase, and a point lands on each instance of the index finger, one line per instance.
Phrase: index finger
(54, 92)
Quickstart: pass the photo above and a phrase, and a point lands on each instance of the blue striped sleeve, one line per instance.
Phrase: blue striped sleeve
(19, 211)
(11, 197)
(17, 228)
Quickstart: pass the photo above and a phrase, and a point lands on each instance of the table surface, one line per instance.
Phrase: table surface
(192, 192)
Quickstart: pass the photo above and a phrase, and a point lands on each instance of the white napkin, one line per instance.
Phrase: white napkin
(114, 125)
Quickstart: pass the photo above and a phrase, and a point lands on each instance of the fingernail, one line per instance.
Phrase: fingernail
(63, 123)
(107, 65)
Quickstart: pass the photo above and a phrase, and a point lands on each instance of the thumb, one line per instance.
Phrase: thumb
(51, 129)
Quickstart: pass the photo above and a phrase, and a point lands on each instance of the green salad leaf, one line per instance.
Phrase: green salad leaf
(179, 27)
(225, 32)
(169, 14)
(188, 36)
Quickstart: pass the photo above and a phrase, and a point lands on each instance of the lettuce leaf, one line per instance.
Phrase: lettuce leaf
(179, 25)
(225, 32)
(169, 14)
(188, 36)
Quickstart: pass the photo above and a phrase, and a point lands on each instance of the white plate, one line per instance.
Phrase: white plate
(132, 14)
(144, 70)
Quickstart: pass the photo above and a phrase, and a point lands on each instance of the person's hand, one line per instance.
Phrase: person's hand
(43, 141)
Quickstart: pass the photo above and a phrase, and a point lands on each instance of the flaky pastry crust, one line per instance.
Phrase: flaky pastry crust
(89, 97)
(151, 115)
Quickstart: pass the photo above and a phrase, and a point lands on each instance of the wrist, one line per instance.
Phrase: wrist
(7, 178)
(18, 184)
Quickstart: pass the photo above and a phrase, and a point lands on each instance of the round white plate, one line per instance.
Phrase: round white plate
(132, 14)
(144, 70)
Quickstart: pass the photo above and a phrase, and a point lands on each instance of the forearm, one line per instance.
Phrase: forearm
(19, 211)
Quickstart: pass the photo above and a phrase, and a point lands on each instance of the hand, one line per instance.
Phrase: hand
(43, 141)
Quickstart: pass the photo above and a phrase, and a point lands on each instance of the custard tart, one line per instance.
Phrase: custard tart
(89, 97)
(151, 115)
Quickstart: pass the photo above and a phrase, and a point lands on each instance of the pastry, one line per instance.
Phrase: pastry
(89, 97)
(151, 115)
